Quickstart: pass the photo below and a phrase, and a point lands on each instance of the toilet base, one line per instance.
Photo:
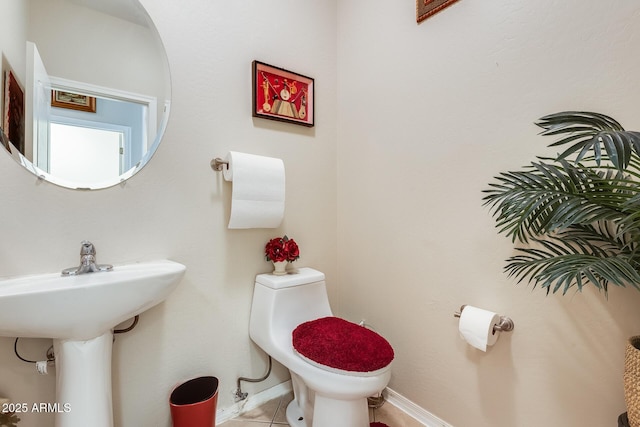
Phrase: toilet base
(331, 413)
(294, 415)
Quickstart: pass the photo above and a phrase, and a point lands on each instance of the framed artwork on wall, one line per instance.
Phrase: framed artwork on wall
(282, 95)
(426, 8)
(73, 101)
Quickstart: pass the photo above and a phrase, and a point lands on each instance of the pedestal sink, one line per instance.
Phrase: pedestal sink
(79, 313)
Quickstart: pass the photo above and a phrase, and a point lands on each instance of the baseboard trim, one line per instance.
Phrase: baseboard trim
(416, 412)
(394, 398)
(252, 402)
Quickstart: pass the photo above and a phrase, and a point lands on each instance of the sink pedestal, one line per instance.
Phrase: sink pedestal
(83, 382)
(80, 312)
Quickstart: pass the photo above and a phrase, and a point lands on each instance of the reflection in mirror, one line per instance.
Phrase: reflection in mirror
(94, 82)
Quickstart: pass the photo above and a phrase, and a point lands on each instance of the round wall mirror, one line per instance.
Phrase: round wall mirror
(85, 89)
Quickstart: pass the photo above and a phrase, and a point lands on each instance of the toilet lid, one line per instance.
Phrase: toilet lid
(331, 342)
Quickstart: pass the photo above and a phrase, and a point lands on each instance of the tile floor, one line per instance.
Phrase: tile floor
(272, 414)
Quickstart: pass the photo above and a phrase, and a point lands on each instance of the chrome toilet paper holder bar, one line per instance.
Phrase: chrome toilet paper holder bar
(505, 324)
(218, 164)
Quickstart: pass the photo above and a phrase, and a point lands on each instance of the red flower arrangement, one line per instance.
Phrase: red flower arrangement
(281, 249)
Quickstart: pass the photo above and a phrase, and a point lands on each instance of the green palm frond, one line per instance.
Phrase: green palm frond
(561, 263)
(549, 198)
(589, 133)
(578, 213)
(602, 237)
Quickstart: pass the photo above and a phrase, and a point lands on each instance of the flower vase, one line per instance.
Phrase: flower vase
(279, 268)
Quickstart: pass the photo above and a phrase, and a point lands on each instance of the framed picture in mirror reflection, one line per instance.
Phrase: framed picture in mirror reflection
(4, 140)
(73, 101)
(13, 115)
(282, 95)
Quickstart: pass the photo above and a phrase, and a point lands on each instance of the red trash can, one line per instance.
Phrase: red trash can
(193, 404)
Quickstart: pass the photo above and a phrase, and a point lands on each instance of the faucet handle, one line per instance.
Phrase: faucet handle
(87, 261)
(87, 248)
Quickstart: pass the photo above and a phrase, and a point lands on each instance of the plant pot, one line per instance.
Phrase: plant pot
(632, 380)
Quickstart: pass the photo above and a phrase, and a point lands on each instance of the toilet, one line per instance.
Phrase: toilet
(334, 364)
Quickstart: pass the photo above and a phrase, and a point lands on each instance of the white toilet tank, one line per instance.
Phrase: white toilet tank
(280, 303)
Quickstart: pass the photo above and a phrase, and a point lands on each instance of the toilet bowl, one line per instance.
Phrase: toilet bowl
(324, 395)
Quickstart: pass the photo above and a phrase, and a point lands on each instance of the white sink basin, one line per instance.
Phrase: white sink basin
(79, 313)
(84, 306)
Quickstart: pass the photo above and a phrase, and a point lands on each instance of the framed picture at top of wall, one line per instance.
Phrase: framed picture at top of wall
(282, 95)
(426, 8)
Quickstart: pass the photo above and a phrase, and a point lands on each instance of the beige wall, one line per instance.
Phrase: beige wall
(384, 195)
(99, 49)
(177, 207)
(12, 36)
(428, 114)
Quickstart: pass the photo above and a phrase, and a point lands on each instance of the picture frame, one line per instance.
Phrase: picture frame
(73, 101)
(13, 118)
(282, 95)
(4, 141)
(427, 8)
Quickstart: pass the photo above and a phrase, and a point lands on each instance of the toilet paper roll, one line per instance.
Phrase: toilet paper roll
(41, 367)
(476, 327)
(257, 198)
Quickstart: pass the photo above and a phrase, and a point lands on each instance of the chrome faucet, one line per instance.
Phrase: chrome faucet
(87, 262)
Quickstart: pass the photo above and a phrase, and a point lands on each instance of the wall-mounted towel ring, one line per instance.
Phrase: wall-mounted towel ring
(505, 324)
(218, 164)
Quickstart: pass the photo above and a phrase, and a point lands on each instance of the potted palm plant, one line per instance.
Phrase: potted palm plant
(575, 218)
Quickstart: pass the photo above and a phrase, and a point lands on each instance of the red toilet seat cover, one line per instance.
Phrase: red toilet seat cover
(340, 344)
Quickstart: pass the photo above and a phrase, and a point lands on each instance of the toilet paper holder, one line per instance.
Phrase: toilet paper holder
(505, 324)
(218, 164)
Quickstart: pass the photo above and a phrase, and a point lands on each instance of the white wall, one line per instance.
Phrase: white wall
(98, 49)
(177, 207)
(12, 36)
(419, 118)
(428, 114)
